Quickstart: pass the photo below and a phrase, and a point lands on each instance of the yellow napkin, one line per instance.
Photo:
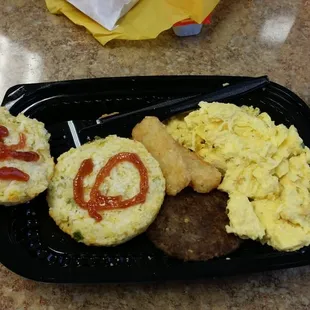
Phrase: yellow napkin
(145, 21)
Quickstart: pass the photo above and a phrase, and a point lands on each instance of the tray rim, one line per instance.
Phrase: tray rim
(34, 87)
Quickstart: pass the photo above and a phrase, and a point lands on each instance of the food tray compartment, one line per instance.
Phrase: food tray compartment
(34, 247)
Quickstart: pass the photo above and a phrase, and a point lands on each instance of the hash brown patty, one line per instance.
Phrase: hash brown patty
(40, 172)
(191, 226)
(119, 225)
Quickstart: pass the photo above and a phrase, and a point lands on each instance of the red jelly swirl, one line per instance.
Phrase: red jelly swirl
(13, 174)
(100, 202)
(13, 152)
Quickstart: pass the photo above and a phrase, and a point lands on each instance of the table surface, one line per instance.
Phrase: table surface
(247, 37)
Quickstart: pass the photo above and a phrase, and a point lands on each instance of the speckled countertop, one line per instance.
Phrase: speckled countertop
(247, 37)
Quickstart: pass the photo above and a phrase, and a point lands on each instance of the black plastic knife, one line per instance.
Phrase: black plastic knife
(74, 133)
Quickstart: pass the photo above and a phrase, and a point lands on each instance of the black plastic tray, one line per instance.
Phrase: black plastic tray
(34, 247)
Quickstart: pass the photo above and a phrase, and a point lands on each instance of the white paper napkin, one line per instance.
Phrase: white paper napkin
(104, 12)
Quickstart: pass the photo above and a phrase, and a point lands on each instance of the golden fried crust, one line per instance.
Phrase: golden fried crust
(204, 177)
(180, 166)
(153, 135)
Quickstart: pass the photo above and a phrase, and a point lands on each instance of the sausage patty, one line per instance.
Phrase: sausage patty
(191, 226)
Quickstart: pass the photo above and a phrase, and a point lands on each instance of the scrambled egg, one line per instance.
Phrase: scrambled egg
(265, 166)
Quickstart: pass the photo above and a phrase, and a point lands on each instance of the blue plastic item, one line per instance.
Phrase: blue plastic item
(187, 30)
